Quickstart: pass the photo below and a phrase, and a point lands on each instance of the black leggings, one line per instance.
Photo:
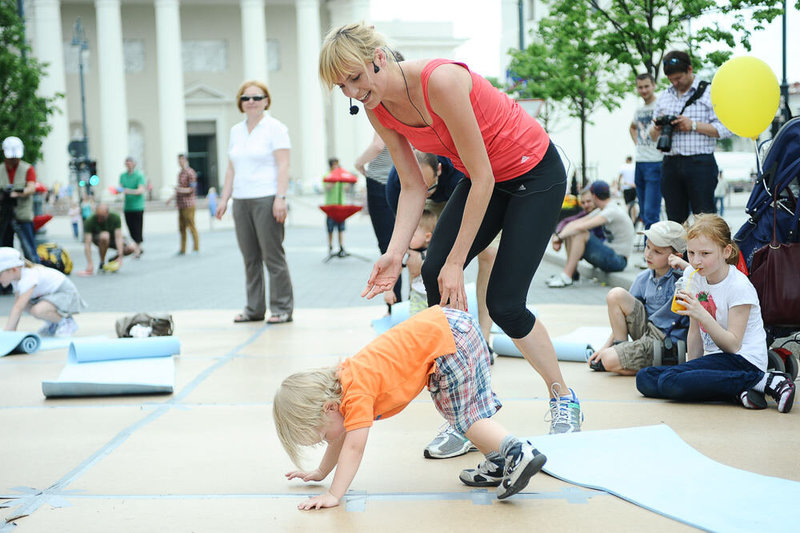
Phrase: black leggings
(526, 208)
(135, 221)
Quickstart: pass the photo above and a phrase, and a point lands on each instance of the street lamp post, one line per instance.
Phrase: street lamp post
(80, 153)
(785, 112)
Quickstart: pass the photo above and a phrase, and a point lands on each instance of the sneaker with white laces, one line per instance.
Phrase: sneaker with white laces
(781, 387)
(752, 399)
(522, 462)
(565, 413)
(67, 327)
(48, 330)
(448, 443)
(489, 473)
(558, 281)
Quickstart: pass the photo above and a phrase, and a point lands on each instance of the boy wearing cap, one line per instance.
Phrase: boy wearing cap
(610, 254)
(18, 185)
(644, 313)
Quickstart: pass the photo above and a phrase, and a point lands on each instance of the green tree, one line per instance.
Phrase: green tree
(638, 33)
(564, 64)
(23, 113)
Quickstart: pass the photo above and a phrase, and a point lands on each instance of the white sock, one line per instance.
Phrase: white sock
(762, 383)
(508, 442)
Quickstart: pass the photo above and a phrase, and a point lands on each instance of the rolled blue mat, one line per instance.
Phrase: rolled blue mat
(86, 351)
(575, 346)
(12, 342)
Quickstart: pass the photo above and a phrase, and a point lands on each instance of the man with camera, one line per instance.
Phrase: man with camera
(17, 187)
(686, 130)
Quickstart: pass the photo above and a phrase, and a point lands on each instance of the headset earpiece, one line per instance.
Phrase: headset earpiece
(353, 108)
(375, 67)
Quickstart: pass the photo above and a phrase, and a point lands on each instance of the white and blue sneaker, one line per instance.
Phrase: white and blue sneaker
(565, 412)
(448, 443)
(66, 328)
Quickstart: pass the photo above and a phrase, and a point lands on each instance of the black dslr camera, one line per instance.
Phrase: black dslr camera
(5, 196)
(664, 142)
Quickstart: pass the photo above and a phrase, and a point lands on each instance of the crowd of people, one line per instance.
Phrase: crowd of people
(458, 171)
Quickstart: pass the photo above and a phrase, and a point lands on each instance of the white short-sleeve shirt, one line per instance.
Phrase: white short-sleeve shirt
(44, 280)
(718, 298)
(255, 171)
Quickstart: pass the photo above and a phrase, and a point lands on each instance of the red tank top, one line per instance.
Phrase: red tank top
(515, 141)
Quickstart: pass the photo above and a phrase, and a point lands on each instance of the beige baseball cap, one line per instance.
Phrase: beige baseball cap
(666, 233)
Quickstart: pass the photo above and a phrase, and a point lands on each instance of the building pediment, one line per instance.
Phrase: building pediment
(200, 93)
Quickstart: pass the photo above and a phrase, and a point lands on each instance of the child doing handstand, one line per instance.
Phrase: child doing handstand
(44, 292)
(726, 348)
(644, 313)
(440, 347)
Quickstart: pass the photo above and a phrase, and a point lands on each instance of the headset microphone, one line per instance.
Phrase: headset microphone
(353, 108)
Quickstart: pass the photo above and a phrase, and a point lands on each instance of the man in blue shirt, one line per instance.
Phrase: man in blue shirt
(644, 313)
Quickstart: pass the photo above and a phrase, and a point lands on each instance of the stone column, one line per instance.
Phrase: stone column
(171, 106)
(312, 142)
(254, 40)
(48, 47)
(113, 136)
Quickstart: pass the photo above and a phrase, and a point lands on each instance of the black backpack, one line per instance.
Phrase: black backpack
(777, 186)
(53, 256)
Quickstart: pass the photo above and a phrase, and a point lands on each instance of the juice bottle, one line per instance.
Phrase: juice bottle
(679, 286)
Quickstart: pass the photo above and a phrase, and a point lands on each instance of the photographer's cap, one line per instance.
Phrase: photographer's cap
(13, 147)
(666, 233)
(10, 258)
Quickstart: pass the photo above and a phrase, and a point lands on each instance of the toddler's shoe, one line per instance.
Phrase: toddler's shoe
(489, 473)
(752, 399)
(448, 443)
(522, 462)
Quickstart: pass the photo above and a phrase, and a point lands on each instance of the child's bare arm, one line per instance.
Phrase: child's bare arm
(16, 311)
(414, 263)
(325, 466)
(694, 344)
(677, 262)
(352, 449)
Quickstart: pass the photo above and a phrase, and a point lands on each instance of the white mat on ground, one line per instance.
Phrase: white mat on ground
(570, 347)
(654, 468)
(116, 367)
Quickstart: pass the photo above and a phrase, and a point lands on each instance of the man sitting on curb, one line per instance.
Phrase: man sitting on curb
(97, 230)
(609, 255)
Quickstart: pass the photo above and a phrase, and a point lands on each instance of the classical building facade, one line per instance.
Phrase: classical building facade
(161, 76)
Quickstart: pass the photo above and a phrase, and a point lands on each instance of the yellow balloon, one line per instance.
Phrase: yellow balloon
(745, 95)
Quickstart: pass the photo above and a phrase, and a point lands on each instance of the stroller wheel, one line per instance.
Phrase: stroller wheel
(775, 362)
(789, 361)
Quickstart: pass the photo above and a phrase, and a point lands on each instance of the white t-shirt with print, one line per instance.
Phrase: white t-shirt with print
(252, 154)
(646, 151)
(618, 229)
(44, 280)
(718, 298)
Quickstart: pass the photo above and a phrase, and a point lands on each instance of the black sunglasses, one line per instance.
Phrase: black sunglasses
(673, 61)
(257, 98)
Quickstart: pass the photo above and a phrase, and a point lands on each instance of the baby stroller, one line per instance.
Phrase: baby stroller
(774, 209)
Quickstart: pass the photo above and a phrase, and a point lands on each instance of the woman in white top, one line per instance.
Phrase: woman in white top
(257, 179)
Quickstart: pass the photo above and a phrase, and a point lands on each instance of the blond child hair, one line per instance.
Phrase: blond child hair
(299, 406)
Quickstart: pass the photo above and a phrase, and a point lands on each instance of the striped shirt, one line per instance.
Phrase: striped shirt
(378, 169)
(691, 142)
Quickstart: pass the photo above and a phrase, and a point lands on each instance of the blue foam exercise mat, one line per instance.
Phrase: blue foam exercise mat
(116, 367)
(400, 311)
(574, 346)
(652, 467)
(13, 342)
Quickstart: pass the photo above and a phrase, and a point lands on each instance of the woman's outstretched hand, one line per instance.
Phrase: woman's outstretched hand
(451, 287)
(384, 276)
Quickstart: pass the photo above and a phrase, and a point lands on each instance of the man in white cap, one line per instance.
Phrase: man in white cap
(17, 187)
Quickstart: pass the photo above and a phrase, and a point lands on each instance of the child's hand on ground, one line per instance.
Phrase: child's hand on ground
(319, 502)
(313, 475)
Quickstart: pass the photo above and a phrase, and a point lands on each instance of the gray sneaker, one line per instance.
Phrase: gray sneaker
(448, 443)
(489, 473)
(522, 462)
(565, 413)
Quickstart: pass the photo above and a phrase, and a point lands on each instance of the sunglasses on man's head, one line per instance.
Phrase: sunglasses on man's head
(673, 61)
(257, 98)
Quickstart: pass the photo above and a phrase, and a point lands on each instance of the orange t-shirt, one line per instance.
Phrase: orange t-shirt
(382, 378)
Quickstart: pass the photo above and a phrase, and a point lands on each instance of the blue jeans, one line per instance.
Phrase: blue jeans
(648, 191)
(713, 377)
(600, 255)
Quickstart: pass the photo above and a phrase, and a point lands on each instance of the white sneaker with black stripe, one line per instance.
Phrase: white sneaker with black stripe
(522, 462)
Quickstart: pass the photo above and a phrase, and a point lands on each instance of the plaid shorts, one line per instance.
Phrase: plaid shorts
(461, 387)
